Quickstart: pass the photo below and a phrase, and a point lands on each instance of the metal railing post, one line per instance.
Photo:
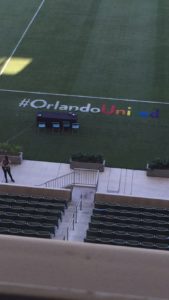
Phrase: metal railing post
(67, 233)
(81, 204)
(76, 214)
(73, 223)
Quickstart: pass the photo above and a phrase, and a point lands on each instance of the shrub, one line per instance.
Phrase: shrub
(159, 164)
(11, 149)
(98, 158)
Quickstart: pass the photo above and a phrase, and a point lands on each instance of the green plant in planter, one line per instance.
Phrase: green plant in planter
(11, 149)
(98, 158)
(159, 164)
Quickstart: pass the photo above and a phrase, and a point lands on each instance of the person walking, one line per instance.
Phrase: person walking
(6, 168)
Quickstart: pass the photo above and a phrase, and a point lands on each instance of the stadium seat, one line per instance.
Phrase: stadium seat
(56, 126)
(90, 239)
(20, 224)
(55, 220)
(6, 223)
(160, 238)
(49, 227)
(44, 234)
(40, 227)
(6, 201)
(147, 237)
(26, 217)
(148, 245)
(5, 207)
(9, 215)
(55, 201)
(133, 243)
(41, 125)
(20, 202)
(14, 231)
(120, 234)
(28, 210)
(161, 246)
(4, 230)
(75, 127)
(93, 232)
(29, 233)
(118, 242)
(17, 209)
(66, 125)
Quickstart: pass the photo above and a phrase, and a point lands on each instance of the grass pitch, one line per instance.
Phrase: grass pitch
(109, 51)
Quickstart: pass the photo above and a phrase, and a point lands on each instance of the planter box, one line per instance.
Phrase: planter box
(87, 165)
(15, 159)
(158, 173)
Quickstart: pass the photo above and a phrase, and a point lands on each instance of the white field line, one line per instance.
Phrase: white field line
(82, 96)
(23, 35)
(18, 134)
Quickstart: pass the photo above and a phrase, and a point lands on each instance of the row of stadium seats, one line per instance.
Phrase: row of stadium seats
(124, 235)
(30, 218)
(135, 213)
(134, 220)
(57, 126)
(36, 204)
(117, 206)
(25, 232)
(128, 227)
(129, 243)
(32, 199)
(21, 224)
(31, 210)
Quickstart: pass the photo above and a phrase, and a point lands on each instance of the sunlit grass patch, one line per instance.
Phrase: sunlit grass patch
(15, 65)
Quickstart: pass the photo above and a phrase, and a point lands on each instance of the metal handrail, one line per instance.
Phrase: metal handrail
(72, 221)
(85, 177)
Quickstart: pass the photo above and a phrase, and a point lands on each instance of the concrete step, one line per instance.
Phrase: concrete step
(76, 219)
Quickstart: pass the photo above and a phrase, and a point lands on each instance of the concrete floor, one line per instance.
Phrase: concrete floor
(111, 181)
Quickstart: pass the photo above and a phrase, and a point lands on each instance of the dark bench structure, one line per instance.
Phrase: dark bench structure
(129, 225)
(29, 216)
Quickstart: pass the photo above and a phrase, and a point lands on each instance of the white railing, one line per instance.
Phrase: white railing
(81, 177)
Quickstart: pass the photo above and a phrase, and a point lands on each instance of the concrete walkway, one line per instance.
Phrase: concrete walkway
(112, 181)
(133, 183)
(32, 173)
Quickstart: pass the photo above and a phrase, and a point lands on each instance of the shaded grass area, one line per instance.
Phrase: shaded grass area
(101, 48)
(112, 48)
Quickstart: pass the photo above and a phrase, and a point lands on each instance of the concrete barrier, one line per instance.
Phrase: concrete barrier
(132, 200)
(19, 190)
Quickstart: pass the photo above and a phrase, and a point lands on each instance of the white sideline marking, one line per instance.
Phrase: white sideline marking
(88, 97)
(27, 28)
(18, 134)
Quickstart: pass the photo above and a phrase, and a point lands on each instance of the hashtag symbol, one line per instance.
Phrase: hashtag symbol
(25, 102)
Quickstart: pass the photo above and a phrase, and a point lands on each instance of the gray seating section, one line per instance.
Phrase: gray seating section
(31, 217)
(129, 225)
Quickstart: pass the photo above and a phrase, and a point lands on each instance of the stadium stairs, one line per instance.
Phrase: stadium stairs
(77, 216)
(123, 186)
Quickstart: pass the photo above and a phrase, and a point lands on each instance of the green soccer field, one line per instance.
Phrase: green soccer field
(108, 60)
